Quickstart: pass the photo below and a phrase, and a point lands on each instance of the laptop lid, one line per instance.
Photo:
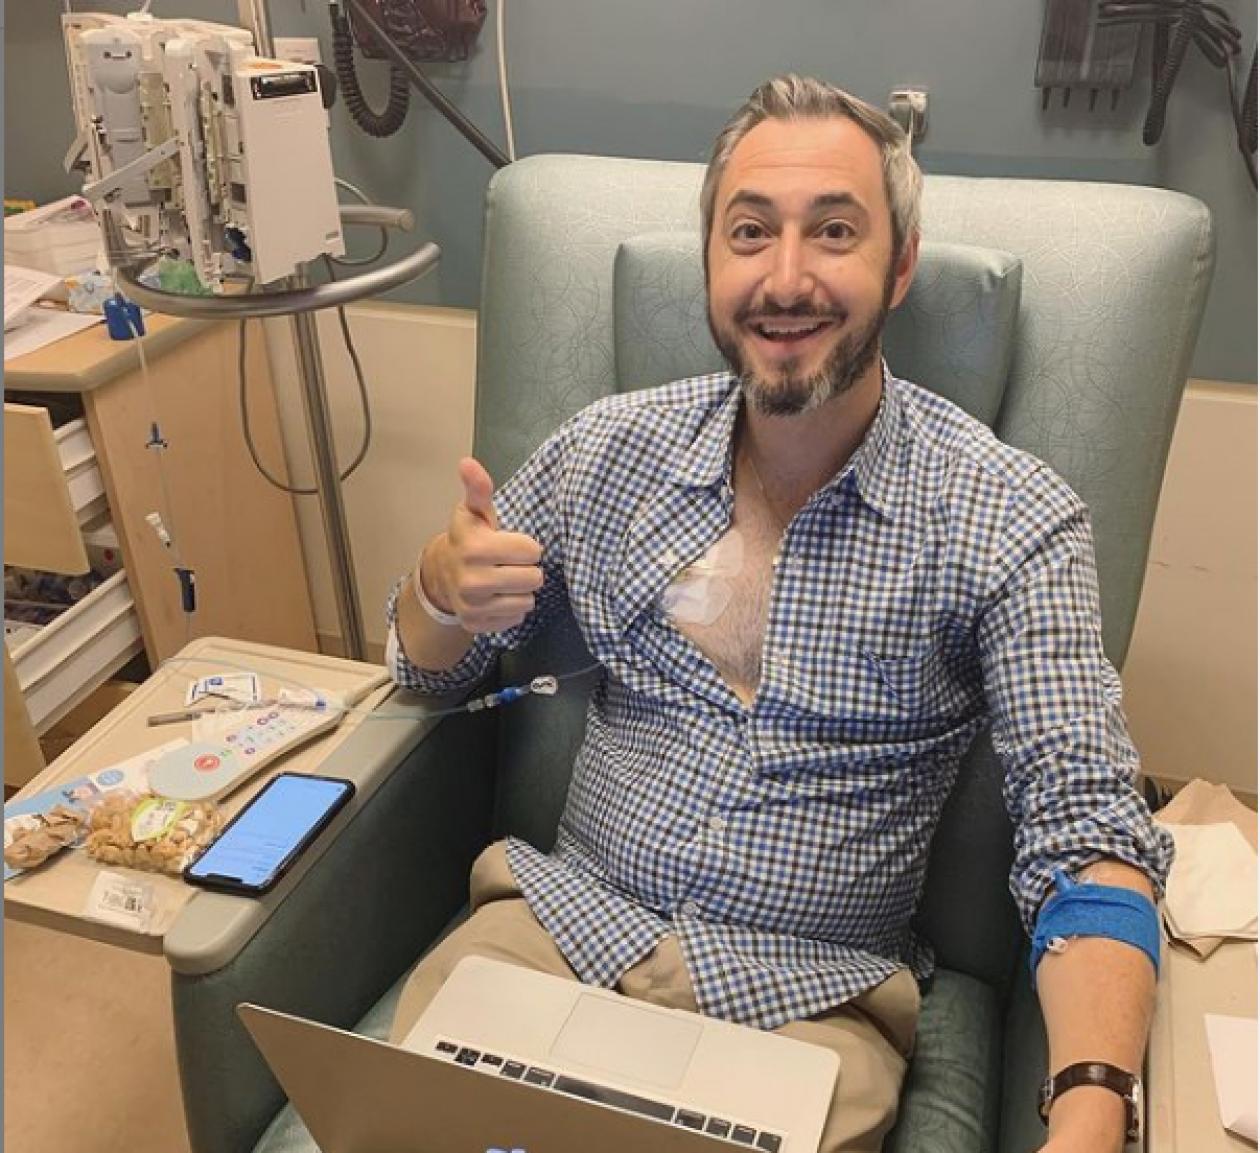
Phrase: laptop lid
(358, 1095)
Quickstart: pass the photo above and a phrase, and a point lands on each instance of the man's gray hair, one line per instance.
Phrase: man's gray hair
(792, 97)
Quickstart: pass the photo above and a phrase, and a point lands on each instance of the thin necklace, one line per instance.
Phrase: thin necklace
(765, 496)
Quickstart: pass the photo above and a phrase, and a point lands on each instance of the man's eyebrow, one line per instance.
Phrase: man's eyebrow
(837, 200)
(751, 199)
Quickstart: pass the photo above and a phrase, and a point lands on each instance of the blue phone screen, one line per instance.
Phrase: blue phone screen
(271, 827)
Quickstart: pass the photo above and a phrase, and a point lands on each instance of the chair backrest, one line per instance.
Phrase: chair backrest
(1063, 314)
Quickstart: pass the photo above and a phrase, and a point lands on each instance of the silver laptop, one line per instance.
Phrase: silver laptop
(508, 1059)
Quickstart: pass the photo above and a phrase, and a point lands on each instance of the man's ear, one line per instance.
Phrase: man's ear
(903, 269)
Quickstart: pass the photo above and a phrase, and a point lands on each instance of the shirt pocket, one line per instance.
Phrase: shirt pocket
(920, 686)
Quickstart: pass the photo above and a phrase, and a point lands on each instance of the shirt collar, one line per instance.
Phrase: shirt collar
(875, 466)
(708, 458)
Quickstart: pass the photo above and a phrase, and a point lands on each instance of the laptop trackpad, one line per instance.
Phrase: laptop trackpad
(628, 1041)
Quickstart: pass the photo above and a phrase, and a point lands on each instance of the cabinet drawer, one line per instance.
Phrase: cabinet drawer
(62, 663)
(52, 486)
(82, 474)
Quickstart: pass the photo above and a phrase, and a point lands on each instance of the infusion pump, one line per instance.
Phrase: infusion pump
(202, 150)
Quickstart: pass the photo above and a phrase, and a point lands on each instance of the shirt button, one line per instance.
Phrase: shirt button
(689, 909)
(717, 824)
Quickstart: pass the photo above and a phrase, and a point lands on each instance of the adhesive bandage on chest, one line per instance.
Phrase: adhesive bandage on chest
(701, 593)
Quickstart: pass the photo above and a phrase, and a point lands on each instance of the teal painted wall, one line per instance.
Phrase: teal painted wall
(658, 78)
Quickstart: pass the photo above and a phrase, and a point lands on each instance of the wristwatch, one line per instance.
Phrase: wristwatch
(1096, 1073)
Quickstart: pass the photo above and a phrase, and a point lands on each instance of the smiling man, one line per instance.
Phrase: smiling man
(801, 273)
(810, 585)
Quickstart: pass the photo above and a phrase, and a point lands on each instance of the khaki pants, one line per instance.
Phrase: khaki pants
(872, 1034)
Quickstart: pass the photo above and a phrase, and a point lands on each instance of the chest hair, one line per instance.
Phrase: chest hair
(733, 642)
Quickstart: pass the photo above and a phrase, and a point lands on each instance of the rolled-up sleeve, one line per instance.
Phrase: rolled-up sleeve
(530, 503)
(1055, 700)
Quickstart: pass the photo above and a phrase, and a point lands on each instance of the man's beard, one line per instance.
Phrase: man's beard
(787, 393)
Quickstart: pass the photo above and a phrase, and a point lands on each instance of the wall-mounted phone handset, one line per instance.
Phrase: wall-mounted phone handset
(1177, 25)
(426, 30)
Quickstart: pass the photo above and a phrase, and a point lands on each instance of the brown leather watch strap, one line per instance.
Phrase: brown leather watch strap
(1099, 1073)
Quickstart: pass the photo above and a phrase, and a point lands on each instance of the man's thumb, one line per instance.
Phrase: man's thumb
(478, 489)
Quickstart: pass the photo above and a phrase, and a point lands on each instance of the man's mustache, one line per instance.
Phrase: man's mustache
(770, 311)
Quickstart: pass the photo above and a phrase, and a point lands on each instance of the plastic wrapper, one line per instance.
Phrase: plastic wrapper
(145, 831)
(37, 837)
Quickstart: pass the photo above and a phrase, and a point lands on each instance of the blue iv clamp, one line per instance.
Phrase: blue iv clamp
(122, 318)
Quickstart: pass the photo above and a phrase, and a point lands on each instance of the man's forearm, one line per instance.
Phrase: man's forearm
(1097, 997)
(427, 643)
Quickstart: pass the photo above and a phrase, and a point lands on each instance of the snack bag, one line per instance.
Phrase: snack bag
(145, 831)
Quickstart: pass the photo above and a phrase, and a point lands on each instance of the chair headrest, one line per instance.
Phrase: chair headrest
(954, 333)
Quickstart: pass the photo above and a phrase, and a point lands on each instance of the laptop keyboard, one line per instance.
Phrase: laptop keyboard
(726, 1130)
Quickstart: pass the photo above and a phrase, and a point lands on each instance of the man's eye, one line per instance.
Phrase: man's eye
(837, 230)
(747, 230)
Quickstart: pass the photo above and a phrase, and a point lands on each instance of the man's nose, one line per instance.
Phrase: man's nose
(790, 279)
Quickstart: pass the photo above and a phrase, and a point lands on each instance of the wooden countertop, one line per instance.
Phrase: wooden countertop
(88, 359)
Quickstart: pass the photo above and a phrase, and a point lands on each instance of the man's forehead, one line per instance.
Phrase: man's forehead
(835, 149)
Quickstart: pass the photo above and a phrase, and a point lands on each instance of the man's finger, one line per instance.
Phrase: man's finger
(502, 548)
(509, 579)
(504, 613)
(518, 548)
(482, 586)
(478, 490)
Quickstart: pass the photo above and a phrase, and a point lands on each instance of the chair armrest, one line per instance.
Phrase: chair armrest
(215, 927)
(1024, 1067)
(331, 944)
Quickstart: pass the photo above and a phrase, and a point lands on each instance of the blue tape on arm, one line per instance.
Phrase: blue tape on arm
(1088, 910)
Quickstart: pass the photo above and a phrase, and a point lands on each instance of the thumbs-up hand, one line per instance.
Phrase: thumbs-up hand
(487, 578)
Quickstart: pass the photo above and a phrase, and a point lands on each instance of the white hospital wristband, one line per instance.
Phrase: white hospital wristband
(450, 620)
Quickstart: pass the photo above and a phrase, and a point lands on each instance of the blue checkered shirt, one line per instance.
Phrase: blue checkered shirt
(940, 582)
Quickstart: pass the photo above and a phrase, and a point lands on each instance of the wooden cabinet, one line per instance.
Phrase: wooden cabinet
(236, 532)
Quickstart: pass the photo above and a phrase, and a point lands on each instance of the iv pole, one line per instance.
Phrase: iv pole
(298, 299)
(318, 418)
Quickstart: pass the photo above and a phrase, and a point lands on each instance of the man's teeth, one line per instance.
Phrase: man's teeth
(786, 331)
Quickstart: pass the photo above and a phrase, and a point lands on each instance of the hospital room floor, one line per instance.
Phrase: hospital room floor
(89, 1048)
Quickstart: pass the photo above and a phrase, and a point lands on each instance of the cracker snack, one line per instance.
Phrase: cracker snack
(149, 832)
(38, 836)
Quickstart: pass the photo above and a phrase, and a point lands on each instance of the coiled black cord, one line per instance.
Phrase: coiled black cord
(1245, 118)
(1178, 24)
(1247, 126)
(1166, 70)
(378, 124)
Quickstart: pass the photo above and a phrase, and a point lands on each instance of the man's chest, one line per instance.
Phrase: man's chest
(842, 619)
(721, 602)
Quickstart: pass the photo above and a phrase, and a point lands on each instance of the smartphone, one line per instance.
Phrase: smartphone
(259, 844)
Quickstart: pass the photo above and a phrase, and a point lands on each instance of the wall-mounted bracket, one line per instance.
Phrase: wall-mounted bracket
(909, 108)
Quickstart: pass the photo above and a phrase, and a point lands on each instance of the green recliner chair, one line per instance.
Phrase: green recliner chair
(1062, 314)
